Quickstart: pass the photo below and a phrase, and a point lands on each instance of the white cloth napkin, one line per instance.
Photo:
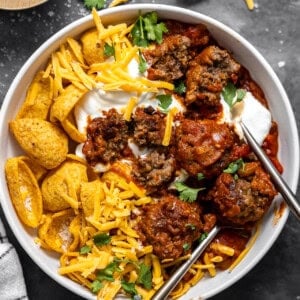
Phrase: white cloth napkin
(12, 284)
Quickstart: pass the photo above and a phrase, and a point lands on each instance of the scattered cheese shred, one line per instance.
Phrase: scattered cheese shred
(169, 125)
(250, 4)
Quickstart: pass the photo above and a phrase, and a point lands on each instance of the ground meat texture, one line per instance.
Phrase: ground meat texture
(106, 138)
(200, 144)
(169, 60)
(170, 226)
(240, 200)
(208, 74)
(154, 170)
(149, 127)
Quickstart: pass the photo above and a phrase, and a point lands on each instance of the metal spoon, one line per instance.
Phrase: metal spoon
(282, 188)
(278, 181)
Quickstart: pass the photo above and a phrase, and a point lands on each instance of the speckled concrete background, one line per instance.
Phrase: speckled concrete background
(273, 27)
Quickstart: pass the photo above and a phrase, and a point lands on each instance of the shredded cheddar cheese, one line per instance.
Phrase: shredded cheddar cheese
(169, 126)
(250, 4)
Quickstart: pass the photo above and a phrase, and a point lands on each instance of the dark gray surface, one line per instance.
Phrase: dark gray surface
(273, 28)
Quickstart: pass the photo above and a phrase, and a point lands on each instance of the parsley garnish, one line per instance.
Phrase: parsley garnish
(234, 166)
(187, 193)
(232, 95)
(101, 239)
(186, 246)
(108, 272)
(129, 287)
(203, 236)
(147, 30)
(145, 276)
(142, 63)
(85, 249)
(96, 286)
(180, 88)
(164, 101)
(98, 4)
(109, 50)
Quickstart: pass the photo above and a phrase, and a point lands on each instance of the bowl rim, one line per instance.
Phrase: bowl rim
(53, 40)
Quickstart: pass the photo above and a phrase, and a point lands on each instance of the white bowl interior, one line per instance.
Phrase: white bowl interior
(244, 52)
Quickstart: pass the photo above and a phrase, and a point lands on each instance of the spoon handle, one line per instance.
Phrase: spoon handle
(169, 285)
(278, 181)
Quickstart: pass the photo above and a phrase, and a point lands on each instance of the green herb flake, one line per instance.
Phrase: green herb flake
(108, 272)
(187, 193)
(109, 50)
(234, 166)
(164, 101)
(96, 286)
(147, 30)
(191, 226)
(232, 95)
(186, 246)
(203, 236)
(85, 249)
(129, 287)
(142, 63)
(200, 176)
(145, 276)
(102, 239)
(180, 88)
(98, 4)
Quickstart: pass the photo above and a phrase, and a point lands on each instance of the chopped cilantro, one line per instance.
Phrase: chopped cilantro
(203, 236)
(186, 246)
(191, 226)
(96, 286)
(108, 272)
(102, 239)
(234, 166)
(142, 63)
(147, 30)
(129, 287)
(180, 88)
(164, 101)
(98, 4)
(200, 176)
(232, 95)
(85, 249)
(145, 276)
(187, 193)
(109, 50)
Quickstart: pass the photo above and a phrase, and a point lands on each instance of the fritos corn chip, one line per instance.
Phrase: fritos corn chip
(60, 189)
(24, 191)
(42, 141)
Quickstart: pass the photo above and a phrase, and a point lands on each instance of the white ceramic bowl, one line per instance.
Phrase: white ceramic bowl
(244, 52)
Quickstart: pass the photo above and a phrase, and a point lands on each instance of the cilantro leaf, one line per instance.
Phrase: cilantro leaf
(142, 63)
(129, 287)
(145, 276)
(96, 286)
(98, 4)
(108, 272)
(200, 176)
(85, 249)
(186, 246)
(109, 50)
(147, 30)
(203, 236)
(187, 193)
(101, 239)
(165, 101)
(191, 226)
(234, 166)
(232, 95)
(180, 88)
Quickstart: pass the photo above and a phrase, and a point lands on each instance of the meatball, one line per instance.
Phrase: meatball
(200, 144)
(208, 74)
(170, 226)
(154, 170)
(242, 200)
(106, 138)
